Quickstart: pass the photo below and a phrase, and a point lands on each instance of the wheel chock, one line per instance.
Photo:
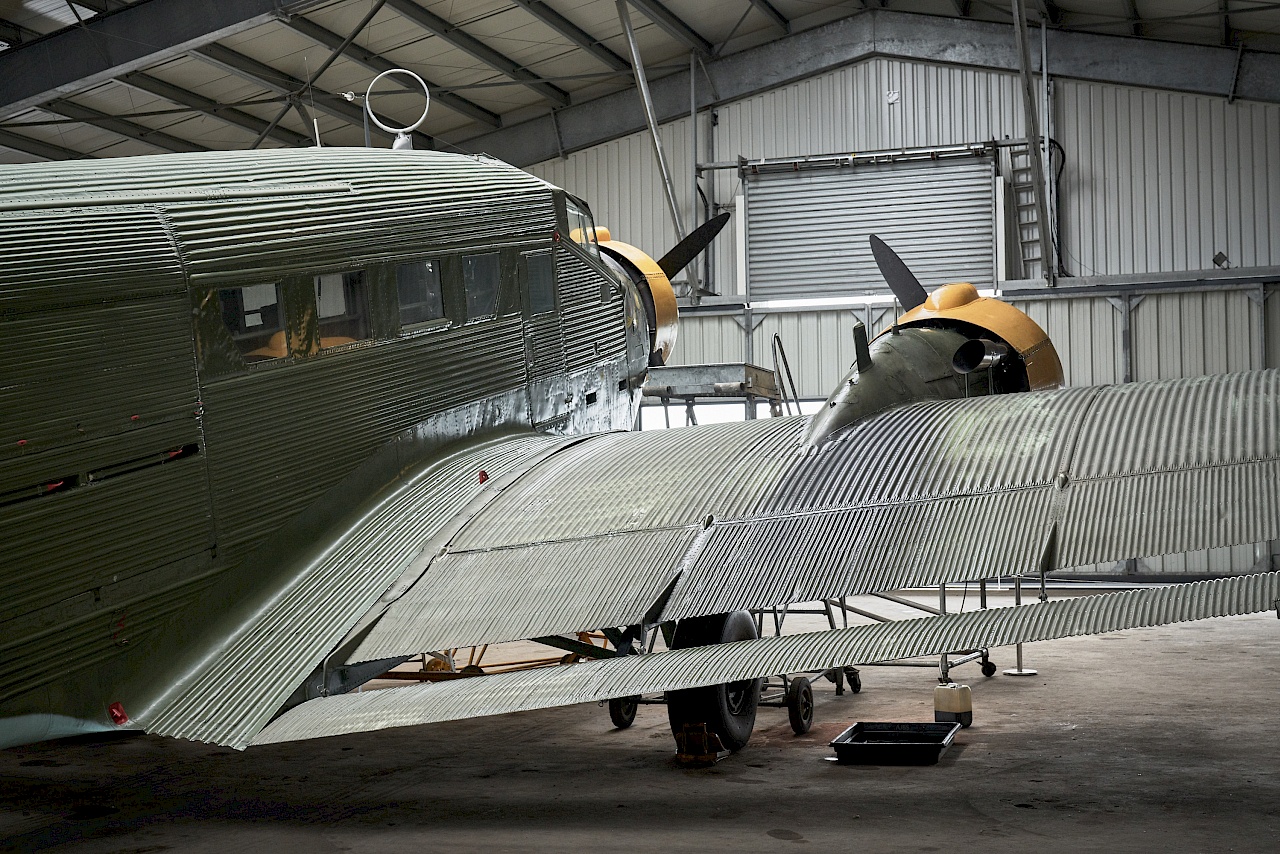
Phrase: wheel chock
(698, 747)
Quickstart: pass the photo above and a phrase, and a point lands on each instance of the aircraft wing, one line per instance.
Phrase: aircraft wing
(624, 528)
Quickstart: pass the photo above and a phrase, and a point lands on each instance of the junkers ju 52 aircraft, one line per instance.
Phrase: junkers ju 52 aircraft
(271, 423)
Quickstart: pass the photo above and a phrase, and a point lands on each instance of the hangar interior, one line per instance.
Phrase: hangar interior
(1142, 234)
(815, 124)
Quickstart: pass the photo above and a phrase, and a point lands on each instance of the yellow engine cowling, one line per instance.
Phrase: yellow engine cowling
(959, 302)
(655, 287)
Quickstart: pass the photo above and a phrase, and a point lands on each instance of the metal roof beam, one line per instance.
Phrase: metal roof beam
(131, 130)
(963, 7)
(772, 14)
(1200, 69)
(275, 80)
(206, 106)
(464, 41)
(673, 25)
(14, 34)
(377, 65)
(37, 147)
(129, 39)
(571, 31)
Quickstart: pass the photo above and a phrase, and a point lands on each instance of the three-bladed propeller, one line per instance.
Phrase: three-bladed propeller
(905, 286)
(689, 248)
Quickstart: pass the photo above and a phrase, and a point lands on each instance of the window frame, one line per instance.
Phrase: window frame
(444, 319)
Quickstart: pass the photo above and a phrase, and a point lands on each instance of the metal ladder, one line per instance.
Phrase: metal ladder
(1022, 191)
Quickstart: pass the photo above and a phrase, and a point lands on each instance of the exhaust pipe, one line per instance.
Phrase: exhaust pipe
(978, 354)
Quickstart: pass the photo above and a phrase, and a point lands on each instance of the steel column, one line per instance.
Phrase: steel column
(642, 85)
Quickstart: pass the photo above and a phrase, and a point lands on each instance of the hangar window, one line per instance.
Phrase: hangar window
(581, 227)
(254, 318)
(421, 298)
(342, 308)
(540, 273)
(480, 278)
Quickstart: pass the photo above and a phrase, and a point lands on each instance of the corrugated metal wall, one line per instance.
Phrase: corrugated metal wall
(1153, 181)
(845, 110)
(1161, 181)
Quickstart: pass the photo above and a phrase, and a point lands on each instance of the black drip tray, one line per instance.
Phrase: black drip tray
(879, 743)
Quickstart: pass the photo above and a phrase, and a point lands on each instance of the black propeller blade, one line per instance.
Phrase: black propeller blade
(689, 248)
(905, 286)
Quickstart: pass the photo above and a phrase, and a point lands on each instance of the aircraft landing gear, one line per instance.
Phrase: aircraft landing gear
(800, 705)
(622, 711)
(728, 710)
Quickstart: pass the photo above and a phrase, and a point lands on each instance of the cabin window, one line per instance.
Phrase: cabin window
(421, 298)
(342, 308)
(540, 270)
(480, 277)
(581, 228)
(255, 320)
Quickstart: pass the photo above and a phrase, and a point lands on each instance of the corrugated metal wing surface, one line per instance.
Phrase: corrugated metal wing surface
(928, 493)
(1145, 448)
(807, 556)
(573, 585)
(939, 215)
(688, 668)
(255, 667)
(631, 481)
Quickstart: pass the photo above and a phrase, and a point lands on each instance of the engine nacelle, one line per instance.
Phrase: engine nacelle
(955, 344)
(655, 290)
(958, 306)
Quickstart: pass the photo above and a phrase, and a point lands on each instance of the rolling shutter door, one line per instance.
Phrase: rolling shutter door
(807, 230)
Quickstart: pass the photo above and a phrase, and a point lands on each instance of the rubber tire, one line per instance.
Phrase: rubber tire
(622, 710)
(854, 679)
(800, 705)
(988, 669)
(728, 710)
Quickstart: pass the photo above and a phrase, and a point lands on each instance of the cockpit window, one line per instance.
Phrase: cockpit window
(342, 312)
(253, 316)
(581, 227)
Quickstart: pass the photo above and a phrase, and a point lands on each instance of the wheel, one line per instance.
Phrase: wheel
(800, 705)
(988, 668)
(622, 710)
(728, 710)
(852, 676)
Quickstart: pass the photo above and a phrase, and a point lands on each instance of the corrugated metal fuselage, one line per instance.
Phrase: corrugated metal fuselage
(207, 363)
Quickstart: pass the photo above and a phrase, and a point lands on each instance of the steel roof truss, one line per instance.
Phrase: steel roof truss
(123, 127)
(571, 31)
(673, 25)
(464, 41)
(375, 63)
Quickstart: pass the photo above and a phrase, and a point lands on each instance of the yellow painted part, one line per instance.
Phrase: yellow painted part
(960, 301)
(664, 296)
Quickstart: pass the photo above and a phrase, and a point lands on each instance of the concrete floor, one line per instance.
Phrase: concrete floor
(1145, 740)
